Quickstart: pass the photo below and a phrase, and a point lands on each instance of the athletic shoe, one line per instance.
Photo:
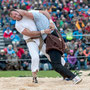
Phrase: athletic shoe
(35, 80)
(77, 80)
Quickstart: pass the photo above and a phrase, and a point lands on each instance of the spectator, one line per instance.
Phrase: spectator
(87, 52)
(72, 60)
(10, 52)
(7, 33)
(25, 60)
(2, 60)
(71, 14)
(58, 14)
(19, 51)
(15, 39)
(63, 34)
(69, 35)
(71, 44)
(88, 27)
(77, 34)
(79, 24)
(81, 44)
(54, 18)
(81, 60)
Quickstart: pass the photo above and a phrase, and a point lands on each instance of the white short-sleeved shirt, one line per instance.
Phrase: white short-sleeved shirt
(25, 23)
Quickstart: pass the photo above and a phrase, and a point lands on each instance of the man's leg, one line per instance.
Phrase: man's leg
(48, 56)
(34, 52)
(55, 57)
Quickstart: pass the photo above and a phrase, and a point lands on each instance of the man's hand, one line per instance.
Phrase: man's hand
(47, 31)
(22, 12)
(52, 26)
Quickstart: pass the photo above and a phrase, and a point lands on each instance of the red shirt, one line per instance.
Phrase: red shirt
(88, 28)
(7, 35)
(20, 52)
(66, 9)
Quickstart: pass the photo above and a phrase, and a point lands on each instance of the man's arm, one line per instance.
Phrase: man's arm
(35, 34)
(25, 13)
(46, 14)
(52, 26)
(29, 33)
(30, 15)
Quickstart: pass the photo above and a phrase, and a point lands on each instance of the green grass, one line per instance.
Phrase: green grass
(28, 74)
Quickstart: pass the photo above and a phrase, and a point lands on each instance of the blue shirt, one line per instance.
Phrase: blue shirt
(41, 22)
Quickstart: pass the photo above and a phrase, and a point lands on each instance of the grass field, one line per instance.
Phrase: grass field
(28, 74)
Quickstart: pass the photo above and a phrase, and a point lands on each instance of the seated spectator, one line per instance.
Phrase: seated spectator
(19, 51)
(71, 15)
(63, 34)
(69, 35)
(66, 8)
(12, 58)
(2, 60)
(81, 60)
(5, 27)
(58, 14)
(88, 27)
(72, 60)
(79, 24)
(81, 44)
(54, 18)
(25, 60)
(44, 63)
(15, 39)
(77, 33)
(7, 33)
(71, 44)
(87, 53)
(10, 52)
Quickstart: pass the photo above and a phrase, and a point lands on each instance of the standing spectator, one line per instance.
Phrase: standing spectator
(81, 60)
(72, 60)
(2, 60)
(15, 39)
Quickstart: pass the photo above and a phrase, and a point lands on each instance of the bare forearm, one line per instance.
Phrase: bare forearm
(29, 33)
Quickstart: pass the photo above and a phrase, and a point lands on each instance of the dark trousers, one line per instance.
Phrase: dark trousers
(55, 57)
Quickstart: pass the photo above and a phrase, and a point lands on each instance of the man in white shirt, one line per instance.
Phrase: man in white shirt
(28, 28)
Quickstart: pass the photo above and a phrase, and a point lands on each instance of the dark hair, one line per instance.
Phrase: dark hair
(12, 10)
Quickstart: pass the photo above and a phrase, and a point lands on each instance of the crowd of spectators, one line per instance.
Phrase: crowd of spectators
(72, 20)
